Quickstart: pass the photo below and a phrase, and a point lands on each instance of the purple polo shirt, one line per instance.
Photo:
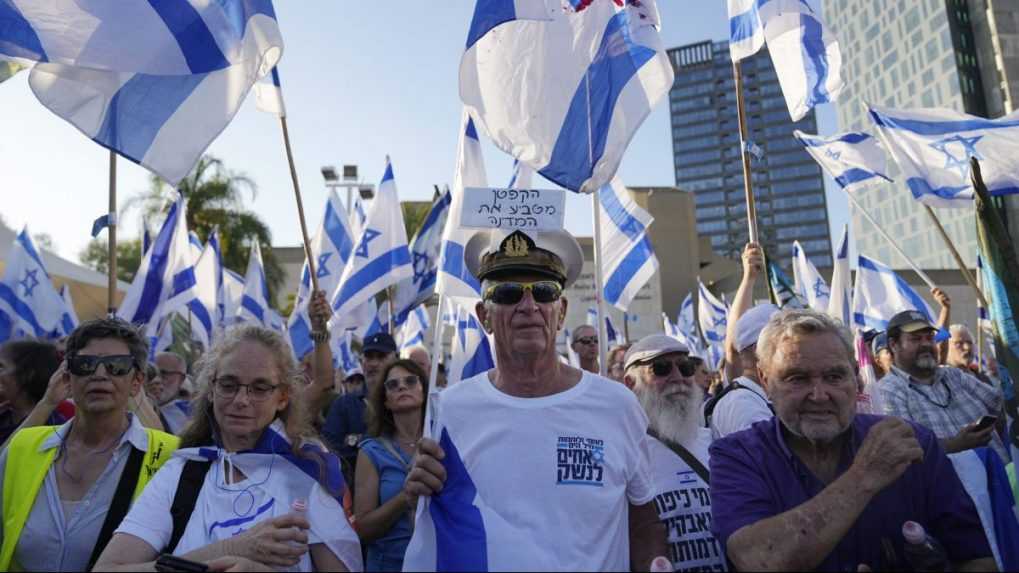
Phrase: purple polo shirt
(755, 476)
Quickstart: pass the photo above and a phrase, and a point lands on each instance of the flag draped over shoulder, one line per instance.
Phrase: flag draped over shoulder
(564, 90)
(933, 147)
(154, 81)
(628, 260)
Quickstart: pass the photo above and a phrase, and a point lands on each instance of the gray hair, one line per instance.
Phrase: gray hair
(576, 331)
(957, 329)
(789, 323)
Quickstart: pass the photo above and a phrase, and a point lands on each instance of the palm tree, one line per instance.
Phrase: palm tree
(215, 198)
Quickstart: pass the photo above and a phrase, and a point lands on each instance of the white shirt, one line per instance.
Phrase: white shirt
(683, 503)
(550, 478)
(740, 409)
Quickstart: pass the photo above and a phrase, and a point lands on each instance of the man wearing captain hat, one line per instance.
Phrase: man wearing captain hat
(517, 449)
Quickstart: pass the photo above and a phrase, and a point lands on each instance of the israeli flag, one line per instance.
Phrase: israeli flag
(415, 328)
(613, 336)
(213, 243)
(841, 291)
(472, 350)
(854, 160)
(746, 34)
(808, 282)
(685, 319)
(571, 355)
(231, 296)
(204, 308)
(157, 103)
(344, 355)
(255, 300)
(676, 332)
(933, 147)
(712, 315)
(29, 303)
(269, 94)
(454, 280)
(805, 53)
(565, 95)
(166, 278)
(331, 248)
(196, 245)
(628, 260)
(358, 217)
(424, 254)
(381, 257)
(70, 320)
(879, 294)
(146, 236)
(522, 176)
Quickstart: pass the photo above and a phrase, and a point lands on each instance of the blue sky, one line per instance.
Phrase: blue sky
(361, 80)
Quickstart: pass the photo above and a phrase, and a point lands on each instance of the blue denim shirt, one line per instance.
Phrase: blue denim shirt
(386, 552)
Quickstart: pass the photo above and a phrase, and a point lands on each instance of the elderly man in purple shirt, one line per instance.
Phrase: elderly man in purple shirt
(820, 487)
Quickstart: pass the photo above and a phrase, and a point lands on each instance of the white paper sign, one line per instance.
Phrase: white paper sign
(499, 208)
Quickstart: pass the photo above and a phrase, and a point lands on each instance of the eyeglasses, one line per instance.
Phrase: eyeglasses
(513, 292)
(228, 390)
(663, 367)
(165, 373)
(408, 381)
(587, 340)
(86, 365)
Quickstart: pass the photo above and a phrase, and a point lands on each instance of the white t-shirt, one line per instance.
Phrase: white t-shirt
(739, 409)
(683, 502)
(552, 477)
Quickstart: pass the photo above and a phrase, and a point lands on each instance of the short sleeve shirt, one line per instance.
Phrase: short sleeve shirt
(739, 409)
(754, 476)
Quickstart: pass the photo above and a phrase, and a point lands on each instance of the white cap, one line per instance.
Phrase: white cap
(651, 347)
(750, 325)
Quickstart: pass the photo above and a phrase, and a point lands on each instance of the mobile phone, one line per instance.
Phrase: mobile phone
(986, 422)
(167, 562)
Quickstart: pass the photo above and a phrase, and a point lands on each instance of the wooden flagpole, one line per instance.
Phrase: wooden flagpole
(111, 285)
(300, 204)
(599, 294)
(745, 153)
(966, 274)
(891, 241)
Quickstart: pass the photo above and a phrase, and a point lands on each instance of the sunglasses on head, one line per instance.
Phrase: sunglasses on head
(86, 365)
(663, 367)
(513, 292)
(408, 381)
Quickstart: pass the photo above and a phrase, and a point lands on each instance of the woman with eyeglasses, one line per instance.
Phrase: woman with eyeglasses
(384, 511)
(66, 488)
(252, 488)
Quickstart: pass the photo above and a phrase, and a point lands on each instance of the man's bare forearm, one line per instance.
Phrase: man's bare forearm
(647, 536)
(801, 538)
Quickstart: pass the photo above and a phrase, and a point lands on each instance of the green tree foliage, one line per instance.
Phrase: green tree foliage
(129, 257)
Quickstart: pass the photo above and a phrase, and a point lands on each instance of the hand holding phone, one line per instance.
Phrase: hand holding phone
(167, 562)
(986, 422)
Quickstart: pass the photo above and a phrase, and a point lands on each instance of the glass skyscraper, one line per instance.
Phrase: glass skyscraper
(788, 184)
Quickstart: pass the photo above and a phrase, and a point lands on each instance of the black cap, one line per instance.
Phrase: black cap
(379, 342)
(909, 321)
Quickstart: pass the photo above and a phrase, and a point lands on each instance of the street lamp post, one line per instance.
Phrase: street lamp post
(349, 182)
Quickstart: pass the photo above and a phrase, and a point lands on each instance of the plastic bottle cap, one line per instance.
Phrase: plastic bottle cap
(661, 565)
(299, 505)
(914, 532)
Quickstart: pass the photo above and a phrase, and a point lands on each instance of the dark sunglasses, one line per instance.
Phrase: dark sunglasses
(663, 367)
(86, 365)
(408, 381)
(588, 340)
(513, 292)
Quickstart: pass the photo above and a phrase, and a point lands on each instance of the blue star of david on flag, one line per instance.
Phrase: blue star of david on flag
(969, 151)
(323, 268)
(29, 282)
(422, 266)
(369, 236)
(820, 289)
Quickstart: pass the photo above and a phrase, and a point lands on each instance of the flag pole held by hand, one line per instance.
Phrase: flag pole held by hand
(111, 286)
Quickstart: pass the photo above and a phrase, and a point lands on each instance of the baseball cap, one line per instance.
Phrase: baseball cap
(879, 343)
(909, 321)
(750, 325)
(379, 342)
(651, 347)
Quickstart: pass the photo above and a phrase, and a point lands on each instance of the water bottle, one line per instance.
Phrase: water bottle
(661, 564)
(299, 507)
(923, 552)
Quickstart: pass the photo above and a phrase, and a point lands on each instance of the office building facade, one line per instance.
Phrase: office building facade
(788, 184)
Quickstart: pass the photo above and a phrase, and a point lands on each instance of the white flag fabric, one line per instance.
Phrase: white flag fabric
(381, 257)
(231, 296)
(331, 248)
(343, 354)
(269, 94)
(255, 300)
(809, 283)
(805, 53)
(425, 250)
(71, 321)
(880, 294)
(564, 90)
(522, 176)
(746, 34)
(29, 303)
(933, 147)
(415, 329)
(204, 308)
(454, 280)
(166, 278)
(841, 287)
(628, 260)
(712, 315)
(358, 217)
(472, 350)
(854, 160)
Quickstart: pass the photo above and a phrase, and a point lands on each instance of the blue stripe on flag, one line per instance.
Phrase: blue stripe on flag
(638, 256)
(816, 54)
(921, 127)
(300, 338)
(157, 267)
(18, 38)
(20, 308)
(461, 542)
(487, 15)
(140, 109)
(744, 26)
(183, 281)
(373, 271)
(388, 176)
(337, 233)
(856, 175)
(590, 113)
(200, 313)
(472, 131)
(231, 523)
(624, 220)
(194, 38)
(453, 265)
(920, 188)
(253, 307)
(276, 77)
(435, 213)
(901, 285)
(29, 246)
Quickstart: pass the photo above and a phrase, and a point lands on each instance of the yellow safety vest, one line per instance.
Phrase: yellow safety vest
(26, 470)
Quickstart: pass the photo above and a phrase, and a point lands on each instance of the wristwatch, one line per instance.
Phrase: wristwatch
(320, 336)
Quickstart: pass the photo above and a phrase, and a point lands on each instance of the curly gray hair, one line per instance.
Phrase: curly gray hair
(789, 323)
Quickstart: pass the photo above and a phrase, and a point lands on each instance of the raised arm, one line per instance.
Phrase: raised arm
(58, 390)
(322, 360)
(753, 266)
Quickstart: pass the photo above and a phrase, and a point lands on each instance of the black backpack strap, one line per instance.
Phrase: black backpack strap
(120, 504)
(690, 459)
(184, 500)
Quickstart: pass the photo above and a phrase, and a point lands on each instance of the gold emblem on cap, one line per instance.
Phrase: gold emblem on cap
(516, 246)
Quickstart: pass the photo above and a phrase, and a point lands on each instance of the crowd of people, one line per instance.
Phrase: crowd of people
(251, 460)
